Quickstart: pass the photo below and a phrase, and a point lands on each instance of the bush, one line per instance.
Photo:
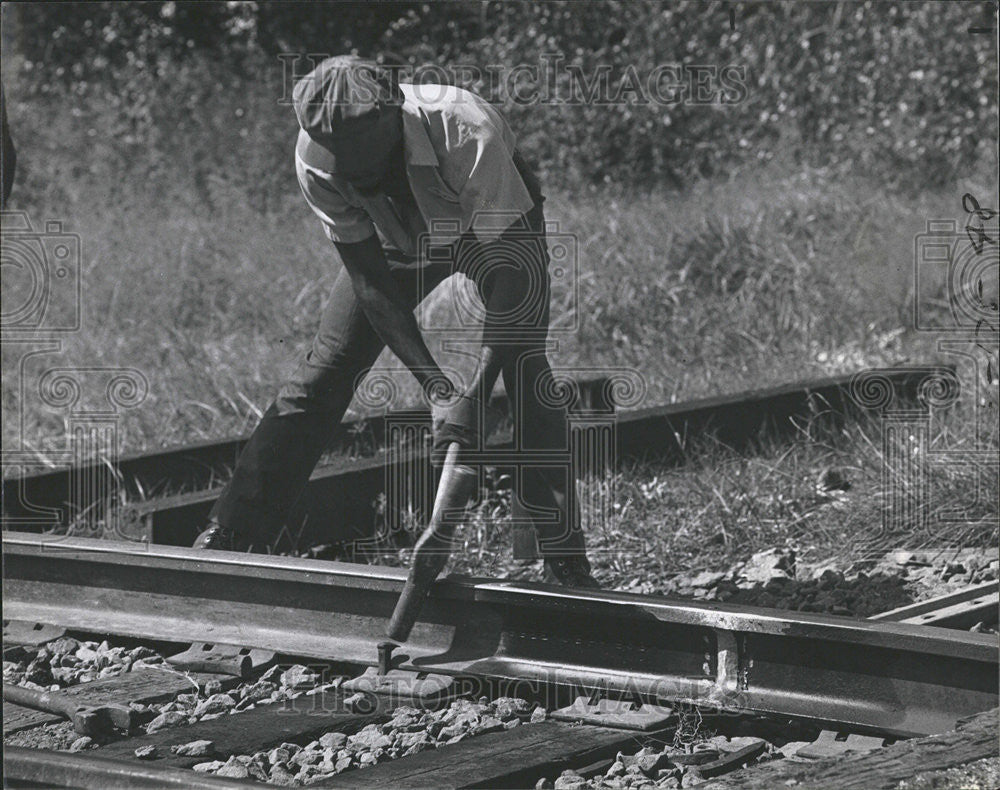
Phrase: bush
(888, 89)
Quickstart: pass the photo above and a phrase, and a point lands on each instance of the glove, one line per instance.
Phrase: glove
(460, 422)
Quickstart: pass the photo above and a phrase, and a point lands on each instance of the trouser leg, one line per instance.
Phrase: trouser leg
(514, 283)
(545, 490)
(276, 463)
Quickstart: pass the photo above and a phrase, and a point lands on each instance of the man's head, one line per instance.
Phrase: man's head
(351, 110)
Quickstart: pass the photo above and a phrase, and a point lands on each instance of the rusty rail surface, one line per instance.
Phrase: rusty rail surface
(892, 678)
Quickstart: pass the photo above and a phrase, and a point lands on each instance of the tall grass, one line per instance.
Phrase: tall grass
(726, 287)
(722, 506)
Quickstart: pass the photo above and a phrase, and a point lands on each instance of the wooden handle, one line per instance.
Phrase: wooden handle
(235, 666)
(457, 487)
(87, 719)
(47, 701)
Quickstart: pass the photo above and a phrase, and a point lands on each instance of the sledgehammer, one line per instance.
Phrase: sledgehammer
(456, 488)
(87, 718)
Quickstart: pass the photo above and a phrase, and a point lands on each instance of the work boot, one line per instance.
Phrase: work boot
(217, 537)
(571, 571)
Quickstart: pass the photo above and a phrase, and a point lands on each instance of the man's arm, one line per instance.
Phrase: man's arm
(389, 314)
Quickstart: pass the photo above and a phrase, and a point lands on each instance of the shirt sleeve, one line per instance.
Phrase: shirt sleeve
(494, 196)
(341, 221)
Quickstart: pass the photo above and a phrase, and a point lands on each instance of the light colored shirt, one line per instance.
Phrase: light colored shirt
(459, 163)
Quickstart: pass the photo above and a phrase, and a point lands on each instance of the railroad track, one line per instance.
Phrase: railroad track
(885, 679)
(171, 492)
(611, 671)
(960, 609)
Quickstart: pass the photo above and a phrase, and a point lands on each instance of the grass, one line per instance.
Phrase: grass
(779, 275)
(669, 521)
(728, 287)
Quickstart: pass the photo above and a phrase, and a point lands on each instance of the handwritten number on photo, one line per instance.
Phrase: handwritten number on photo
(977, 234)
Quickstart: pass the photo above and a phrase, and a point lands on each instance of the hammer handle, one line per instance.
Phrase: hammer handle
(47, 701)
(430, 555)
(235, 666)
(87, 719)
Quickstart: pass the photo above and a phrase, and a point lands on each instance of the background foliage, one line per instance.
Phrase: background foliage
(896, 90)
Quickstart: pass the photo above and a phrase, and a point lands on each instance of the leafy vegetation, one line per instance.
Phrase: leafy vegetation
(898, 91)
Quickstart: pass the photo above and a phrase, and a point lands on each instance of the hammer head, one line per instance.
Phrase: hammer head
(101, 719)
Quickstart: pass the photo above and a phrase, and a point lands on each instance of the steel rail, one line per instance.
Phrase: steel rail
(891, 678)
(745, 419)
(39, 500)
(337, 504)
(43, 768)
(961, 609)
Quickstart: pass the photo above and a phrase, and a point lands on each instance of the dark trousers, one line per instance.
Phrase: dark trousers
(511, 275)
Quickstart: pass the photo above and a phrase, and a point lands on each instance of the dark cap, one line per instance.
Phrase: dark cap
(348, 101)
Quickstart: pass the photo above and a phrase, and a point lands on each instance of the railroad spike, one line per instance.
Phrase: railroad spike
(385, 657)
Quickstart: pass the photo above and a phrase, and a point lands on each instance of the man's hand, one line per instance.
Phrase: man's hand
(459, 421)
(390, 315)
